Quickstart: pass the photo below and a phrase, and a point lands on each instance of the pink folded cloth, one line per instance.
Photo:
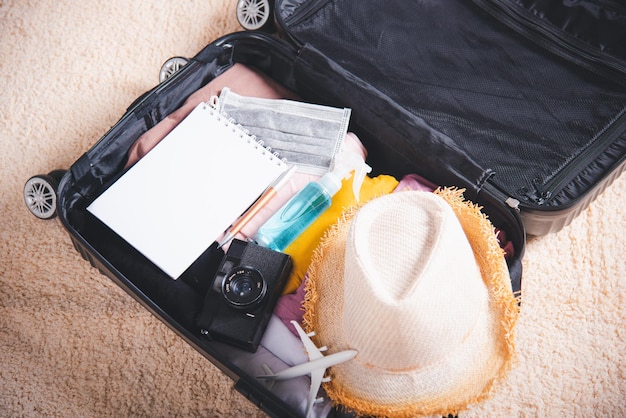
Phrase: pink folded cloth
(239, 78)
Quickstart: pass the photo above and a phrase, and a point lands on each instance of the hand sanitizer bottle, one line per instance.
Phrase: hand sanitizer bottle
(309, 203)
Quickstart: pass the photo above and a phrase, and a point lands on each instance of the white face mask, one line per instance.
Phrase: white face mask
(304, 134)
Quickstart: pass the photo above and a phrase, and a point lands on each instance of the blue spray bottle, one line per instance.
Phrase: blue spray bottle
(309, 203)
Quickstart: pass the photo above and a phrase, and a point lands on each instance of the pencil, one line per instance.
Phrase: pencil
(267, 195)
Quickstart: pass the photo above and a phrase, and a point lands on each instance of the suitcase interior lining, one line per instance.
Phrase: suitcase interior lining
(511, 106)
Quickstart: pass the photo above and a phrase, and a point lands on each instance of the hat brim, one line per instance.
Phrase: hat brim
(466, 376)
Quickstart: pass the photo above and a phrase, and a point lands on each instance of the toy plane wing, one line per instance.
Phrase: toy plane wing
(315, 367)
(312, 350)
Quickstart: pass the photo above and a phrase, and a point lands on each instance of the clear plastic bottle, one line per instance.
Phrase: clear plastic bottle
(309, 203)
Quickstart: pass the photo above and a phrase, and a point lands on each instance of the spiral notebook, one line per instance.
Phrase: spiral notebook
(175, 202)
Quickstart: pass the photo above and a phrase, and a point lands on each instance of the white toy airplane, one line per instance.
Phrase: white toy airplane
(316, 366)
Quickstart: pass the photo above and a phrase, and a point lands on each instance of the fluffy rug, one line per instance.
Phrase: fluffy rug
(73, 344)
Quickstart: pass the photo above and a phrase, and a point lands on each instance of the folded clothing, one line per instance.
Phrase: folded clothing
(238, 78)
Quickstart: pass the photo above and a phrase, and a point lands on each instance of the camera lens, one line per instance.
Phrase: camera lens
(243, 287)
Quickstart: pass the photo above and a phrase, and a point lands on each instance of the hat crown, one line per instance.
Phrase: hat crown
(411, 280)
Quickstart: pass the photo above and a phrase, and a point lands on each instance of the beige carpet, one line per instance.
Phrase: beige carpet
(74, 345)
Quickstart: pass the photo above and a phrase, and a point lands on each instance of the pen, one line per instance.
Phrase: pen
(267, 195)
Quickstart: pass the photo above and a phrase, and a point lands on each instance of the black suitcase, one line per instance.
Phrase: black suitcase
(523, 105)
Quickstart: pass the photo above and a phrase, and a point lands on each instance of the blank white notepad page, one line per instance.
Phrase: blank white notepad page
(175, 201)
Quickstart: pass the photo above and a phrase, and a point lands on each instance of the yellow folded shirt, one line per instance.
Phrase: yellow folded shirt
(301, 250)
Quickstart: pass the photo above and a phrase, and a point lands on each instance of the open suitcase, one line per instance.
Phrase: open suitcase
(523, 104)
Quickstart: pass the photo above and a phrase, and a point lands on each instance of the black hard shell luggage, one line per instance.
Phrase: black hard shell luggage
(520, 103)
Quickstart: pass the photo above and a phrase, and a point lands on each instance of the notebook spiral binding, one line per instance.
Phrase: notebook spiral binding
(243, 132)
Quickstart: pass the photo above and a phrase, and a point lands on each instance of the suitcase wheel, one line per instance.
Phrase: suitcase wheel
(170, 67)
(255, 14)
(40, 194)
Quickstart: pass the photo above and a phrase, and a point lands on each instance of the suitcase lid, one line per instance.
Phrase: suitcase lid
(530, 99)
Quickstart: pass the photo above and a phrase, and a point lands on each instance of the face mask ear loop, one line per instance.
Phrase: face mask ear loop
(213, 101)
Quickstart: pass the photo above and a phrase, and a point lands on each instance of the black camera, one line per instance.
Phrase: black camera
(245, 289)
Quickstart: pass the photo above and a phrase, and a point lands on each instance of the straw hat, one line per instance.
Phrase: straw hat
(417, 283)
